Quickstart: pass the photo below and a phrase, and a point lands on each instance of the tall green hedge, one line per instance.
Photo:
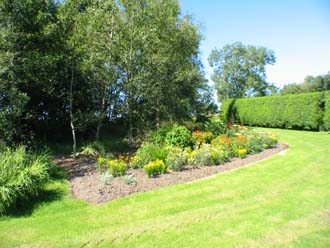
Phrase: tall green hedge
(326, 117)
(301, 111)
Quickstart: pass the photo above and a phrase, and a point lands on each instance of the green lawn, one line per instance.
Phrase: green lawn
(283, 201)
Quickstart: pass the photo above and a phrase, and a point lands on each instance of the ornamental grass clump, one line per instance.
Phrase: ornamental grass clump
(22, 175)
(154, 168)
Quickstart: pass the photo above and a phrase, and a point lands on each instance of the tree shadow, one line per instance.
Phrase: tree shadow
(25, 206)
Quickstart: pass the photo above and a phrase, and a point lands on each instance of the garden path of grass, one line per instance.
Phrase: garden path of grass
(283, 201)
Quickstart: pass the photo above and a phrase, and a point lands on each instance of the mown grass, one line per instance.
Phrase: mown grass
(283, 201)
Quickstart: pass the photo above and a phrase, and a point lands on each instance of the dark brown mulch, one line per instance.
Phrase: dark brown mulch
(86, 184)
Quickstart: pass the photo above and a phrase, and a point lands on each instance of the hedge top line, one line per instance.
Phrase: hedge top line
(309, 111)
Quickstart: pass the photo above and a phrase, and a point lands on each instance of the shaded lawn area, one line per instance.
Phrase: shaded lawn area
(283, 201)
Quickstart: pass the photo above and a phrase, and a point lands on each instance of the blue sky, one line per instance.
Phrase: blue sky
(298, 31)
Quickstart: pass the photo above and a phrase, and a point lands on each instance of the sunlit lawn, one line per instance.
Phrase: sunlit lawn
(283, 201)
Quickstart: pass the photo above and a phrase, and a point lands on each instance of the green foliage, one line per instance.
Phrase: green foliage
(239, 70)
(116, 167)
(21, 175)
(154, 168)
(310, 84)
(301, 111)
(159, 135)
(178, 136)
(148, 152)
(201, 156)
(326, 117)
(93, 149)
(216, 126)
(176, 159)
(129, 179)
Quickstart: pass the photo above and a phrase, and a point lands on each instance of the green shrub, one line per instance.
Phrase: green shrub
(216, 126)
(159, 136)
(201, 156)
(148, 152)
(117, 167)
(301, 111)
(326, 117)
(176, 159)
(178, 136)
(154, 168)
(21, 175)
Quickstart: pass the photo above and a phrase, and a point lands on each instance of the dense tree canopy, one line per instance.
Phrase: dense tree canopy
(81, 64)
(310, 84)
(239, 70)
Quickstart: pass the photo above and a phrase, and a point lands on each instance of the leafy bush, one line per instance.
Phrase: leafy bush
(106, 178)
(301, 111)
(201, 137)
(215, 126)
(176, 159)
(178, 136)
(129, 179)
(154, 168)
(148, 152)
(21, 175)
(117, 167)
(159, 136)
(201, 156)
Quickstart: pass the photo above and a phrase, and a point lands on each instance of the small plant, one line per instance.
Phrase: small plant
(201, 156)
(154, 168)
(117, 167)
(178, 136)
(106, 178)
(147, 153)
(176, 159)
(215, 126)
(93, 149)
(241, 153)
(129, 179)
(200, 137)
(101, 164)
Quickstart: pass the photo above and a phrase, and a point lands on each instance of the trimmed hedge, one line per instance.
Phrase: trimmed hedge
(301, 111)
(326, 118)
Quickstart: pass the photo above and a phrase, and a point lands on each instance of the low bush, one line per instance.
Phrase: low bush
(106, 178)
(178, 136)
(201, 137)
(21, 175)
(200, 156)
(154, 168)
(241, 152)
(117, 167)
(129, 179)
(94, 149)
(148, 152)
(159, 136)
(176, 159)
(216, 126)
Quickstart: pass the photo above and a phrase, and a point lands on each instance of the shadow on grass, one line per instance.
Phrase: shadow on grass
(52, 191)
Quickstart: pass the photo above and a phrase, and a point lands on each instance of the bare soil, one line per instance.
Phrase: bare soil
(85, 180)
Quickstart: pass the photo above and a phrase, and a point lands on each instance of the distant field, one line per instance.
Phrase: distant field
(283, 201)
